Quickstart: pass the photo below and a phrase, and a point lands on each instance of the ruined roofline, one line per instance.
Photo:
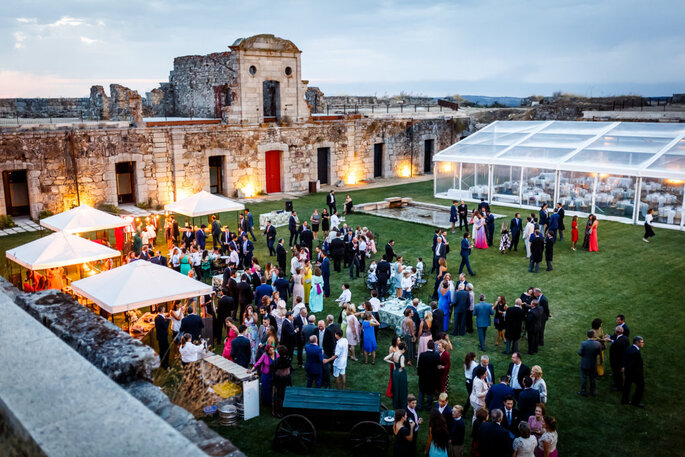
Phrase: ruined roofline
(213, 55)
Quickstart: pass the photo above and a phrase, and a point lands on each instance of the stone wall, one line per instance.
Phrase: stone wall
(44, 107)
(173, 162)
(123, 104)
(203, 85)
(315, 100)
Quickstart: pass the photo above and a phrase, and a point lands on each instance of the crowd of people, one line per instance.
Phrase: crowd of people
(269, 319)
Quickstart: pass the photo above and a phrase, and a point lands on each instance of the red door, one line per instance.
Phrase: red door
(273, 171)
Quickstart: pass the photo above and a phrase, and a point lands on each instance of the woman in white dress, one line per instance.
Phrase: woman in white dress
(524, 445)
(298, 285)
(352, 330)
(479, 390)
(539, 383)
(547, 444)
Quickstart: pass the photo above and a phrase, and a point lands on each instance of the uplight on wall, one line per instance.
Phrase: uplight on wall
(248, 190)
(351, 179)
(446, 167)
(405, 171)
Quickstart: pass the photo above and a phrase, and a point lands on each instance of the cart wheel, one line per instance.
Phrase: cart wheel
(368, 439)
(294, 433)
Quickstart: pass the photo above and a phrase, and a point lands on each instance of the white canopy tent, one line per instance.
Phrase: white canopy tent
(202, 204)
(136, 285)
(59, 249)
(616, 170)
(83, 219)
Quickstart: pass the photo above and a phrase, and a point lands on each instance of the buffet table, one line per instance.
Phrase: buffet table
(277, 218)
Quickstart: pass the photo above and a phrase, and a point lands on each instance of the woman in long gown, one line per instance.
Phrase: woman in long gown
(265, 364)
(444, 366)
(393, 347)
(397, 277)
(298, 285)
(444, 300)
(369, 344)
(232, 334)
(442, 271)
(474, 229)
(481, 236)
(316, 293)
(250, 321)
(588, 229)
(307, 281)
(325, 222)
(352, 331)
(399, 377)
(593, 235)
(424, 333)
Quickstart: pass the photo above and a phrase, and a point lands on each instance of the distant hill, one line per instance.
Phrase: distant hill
(483, 100)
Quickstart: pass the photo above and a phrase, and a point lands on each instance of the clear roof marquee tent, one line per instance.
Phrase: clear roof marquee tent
(605, 168)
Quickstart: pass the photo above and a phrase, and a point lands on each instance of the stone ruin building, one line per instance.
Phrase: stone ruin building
(237, 123)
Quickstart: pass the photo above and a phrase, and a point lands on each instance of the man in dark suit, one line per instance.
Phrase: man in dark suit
(309, 328)
(516, 372)
(281, 254)
(192, 324)
(382, 275)
(429, 377)
(262, 290)
(528, 399)
(438, 320)
(282, 285)
(248, 248)
(463, 211)
(483, 206)
(443, 408)
(490, 368)
(314, 364)
(490, 226)
(225, 239)
(240, 348)
(175, 231)
(634, 372)
(216, 232)
(462, 300)
(511, 418)
(493, 439)
(546, 315)
(390, 251)
(453, 215)
(288, 334)
(495, 397)
(617, 351)
(439, 252)
(326, 274)
(292, 228)
(588, 352)
(159, 259)
(562, 227)
(465, 252)
(201, 237)
(553, 224)
(326, 340)
(307, 236)
(245, 295)
(332, 326)
(544, 218)
(270, 233)
(337, 248)
(330, 202)
(621, 320)
(250, 223)
(533, 324)
(225, 307)
(299, 322)
(512, 326)
(516, 227)
(162, 331)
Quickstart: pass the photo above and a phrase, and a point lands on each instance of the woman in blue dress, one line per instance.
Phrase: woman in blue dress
(316, 292)
(444, 299)
(369, 344)
(397, 270)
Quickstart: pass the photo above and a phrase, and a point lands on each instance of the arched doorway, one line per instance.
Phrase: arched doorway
(273, 171)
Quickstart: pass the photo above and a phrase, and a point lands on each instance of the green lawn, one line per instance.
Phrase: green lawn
(626, 276)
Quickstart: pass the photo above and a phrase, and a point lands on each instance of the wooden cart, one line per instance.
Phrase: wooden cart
(357, 412)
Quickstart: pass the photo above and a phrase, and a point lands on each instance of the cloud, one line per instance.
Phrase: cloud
(67, 21)
(19, 39)
(27, 20)
(87, 40)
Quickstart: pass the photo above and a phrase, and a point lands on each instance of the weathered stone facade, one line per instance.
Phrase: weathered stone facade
(44, 107)
(173, 162)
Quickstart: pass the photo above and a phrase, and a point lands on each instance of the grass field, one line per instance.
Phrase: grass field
(643, 281)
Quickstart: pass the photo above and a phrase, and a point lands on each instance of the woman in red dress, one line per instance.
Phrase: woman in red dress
(393, 348)
(593, 236)
(574, 232)
(232, 334)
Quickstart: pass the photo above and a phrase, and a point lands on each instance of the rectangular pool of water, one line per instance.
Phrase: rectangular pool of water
(407, 210)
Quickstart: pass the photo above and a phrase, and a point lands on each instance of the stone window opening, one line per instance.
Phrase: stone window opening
(252, 70)
(288, 71)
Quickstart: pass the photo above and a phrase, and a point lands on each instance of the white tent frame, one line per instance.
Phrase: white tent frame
(561, 164)
(60, 222)
(230, 205)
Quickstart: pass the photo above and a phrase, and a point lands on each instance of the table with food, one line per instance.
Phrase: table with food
(391, 312)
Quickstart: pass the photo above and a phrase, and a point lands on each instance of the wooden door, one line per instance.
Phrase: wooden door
(378, 160)
(273, 171)
(125, 184)
(428, 156)
(16, 192)
(323, 157)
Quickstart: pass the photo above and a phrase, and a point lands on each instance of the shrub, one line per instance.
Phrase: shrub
(45, 213)
(109, 208)
(6, 221)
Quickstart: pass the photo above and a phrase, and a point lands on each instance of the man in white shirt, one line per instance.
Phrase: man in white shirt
(345, 296)
(375, 302)
(335, 220)
(339, 360)
(233, 257)
(294, 263)
(517, 371)
(406, 282)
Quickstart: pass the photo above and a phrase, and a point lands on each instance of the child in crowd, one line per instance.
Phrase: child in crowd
(371, 277)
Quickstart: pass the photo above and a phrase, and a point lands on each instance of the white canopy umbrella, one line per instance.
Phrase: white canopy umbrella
(59, 250)
(83, 219)
(138, 284)
(202, 204)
